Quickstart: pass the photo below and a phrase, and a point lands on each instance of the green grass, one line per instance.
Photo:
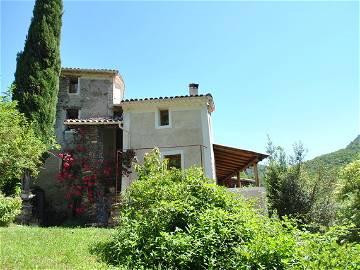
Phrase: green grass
(24, 247)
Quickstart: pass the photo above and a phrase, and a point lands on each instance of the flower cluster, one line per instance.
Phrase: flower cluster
(82, 174)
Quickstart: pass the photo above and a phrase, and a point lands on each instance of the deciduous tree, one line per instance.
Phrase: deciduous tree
(20, 148)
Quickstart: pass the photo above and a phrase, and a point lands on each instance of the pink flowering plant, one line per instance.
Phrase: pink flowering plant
(86, 177)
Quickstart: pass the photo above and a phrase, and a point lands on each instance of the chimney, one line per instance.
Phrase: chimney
(193, 89)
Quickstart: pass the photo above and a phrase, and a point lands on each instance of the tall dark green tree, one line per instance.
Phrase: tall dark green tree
(38, 68)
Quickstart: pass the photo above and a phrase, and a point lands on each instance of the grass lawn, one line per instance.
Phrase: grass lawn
(24, 247)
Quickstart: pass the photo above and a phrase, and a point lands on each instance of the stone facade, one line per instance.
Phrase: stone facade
(94, 98)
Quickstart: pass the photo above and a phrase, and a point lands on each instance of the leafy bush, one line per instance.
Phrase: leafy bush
(9, 209)
(174, 219)
(349, 194)
(294, 192)
(20, 148)
(323, 251)
(285, 187)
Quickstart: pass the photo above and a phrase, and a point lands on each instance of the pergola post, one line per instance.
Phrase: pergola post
(256, 174)
(238, 179)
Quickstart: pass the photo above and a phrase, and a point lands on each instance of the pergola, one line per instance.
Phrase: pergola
(230, 161)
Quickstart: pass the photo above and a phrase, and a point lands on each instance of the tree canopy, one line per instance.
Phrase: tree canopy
(38, 68)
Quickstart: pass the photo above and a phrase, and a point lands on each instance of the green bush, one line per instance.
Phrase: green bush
(172, 219)
(20, 148)
(9, 209)
(349, 196)
(323, 251)
(294, 192)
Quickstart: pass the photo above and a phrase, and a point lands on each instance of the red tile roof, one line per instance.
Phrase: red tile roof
(91, 70)
(164, 98)
(211, 105)
(93, 121)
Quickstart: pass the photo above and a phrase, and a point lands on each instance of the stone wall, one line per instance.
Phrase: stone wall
(255, 194)
(94, 99)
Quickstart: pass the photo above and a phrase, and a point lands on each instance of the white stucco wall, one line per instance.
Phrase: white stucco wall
(189, 134)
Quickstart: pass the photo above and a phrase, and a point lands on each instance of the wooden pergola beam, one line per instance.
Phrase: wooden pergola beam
(231, 161)
(253, 161)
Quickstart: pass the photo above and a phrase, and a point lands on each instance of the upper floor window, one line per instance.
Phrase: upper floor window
(74, 85)
(72, 114)
(164, 117)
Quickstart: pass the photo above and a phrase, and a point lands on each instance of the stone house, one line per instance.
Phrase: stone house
(180, 126)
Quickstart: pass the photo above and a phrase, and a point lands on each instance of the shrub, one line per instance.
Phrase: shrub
(323, 251)
(9, 209)
(172, 219)
(293, 192)
(349, 195)
(20, 148)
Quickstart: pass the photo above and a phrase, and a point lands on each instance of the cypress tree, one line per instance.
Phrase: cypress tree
(38, 68)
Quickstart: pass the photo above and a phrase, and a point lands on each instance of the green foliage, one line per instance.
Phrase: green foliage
(285, 188)
(9, 209)
(293, 192)
(20, 148)
(323, 251)
(349, 193)
(38, 69)
(172, 219)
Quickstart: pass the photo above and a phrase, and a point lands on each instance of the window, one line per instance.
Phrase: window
(72, 114)
(164, 117)
(73, 85)
(117, 115)
(174, 161)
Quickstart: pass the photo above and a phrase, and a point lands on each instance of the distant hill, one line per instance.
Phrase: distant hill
(336, 160)
(333, 161)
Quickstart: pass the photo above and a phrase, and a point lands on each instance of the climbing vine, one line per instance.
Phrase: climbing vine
(87, 177)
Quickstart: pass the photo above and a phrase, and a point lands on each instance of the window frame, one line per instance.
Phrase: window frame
(66, 113)
(77, 88)
(174, 152)
(158, 118)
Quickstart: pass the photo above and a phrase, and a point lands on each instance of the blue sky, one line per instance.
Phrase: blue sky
(287, 69)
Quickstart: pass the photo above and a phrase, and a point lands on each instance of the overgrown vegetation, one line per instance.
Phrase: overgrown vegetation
(293, 192)
(9, 209)
(317, 196)
(20, 148)
(88, 179)
(349, 196)
(172, 219)
(23, 247)
(38, 69)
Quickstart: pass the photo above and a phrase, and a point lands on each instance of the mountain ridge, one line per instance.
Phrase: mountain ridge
(337, 159)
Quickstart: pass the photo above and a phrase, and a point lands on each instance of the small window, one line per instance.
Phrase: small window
(117, 115)
(164, 117)
(72, 114)
(73, 86)
(174, 161)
